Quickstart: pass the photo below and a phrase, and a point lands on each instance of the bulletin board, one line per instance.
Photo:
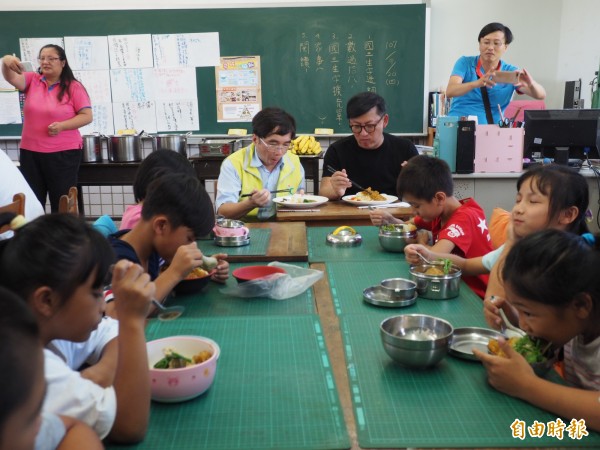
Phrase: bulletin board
(313, 59)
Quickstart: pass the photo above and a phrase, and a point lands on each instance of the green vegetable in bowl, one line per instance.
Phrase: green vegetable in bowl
(172, 360)
(446, 265)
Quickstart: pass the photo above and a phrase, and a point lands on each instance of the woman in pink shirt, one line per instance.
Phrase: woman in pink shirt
(56, 106)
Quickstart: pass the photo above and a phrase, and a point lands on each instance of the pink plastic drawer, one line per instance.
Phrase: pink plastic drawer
(498, 150)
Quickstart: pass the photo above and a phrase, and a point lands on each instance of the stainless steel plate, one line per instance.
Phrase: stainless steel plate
(380, 296)
(464, 340)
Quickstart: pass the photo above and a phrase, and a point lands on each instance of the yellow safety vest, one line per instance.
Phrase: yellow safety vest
(289, 177)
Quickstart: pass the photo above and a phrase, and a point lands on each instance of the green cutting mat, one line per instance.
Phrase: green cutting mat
(450, 405)
(368, 250)
(348, 280)
(274, 389)
(259, 243)
(210, 302)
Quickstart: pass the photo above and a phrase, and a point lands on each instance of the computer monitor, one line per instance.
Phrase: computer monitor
(562, 134)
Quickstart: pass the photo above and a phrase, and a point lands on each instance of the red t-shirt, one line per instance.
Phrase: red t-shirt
(468, 231)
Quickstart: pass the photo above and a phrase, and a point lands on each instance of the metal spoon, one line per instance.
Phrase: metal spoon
(507, 325)
(168, 313)
(424, 259)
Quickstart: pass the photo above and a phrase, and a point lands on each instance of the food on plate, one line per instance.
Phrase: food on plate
(297, 199)
(532, 349)
(368, 195)
(174, 360)
(398, 227)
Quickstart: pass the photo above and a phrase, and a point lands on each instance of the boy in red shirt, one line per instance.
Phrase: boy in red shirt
(457, 226)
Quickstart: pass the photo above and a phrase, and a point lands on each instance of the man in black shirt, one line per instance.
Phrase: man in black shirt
(370, 157)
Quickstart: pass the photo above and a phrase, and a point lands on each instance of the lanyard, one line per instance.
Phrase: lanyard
(484, 94)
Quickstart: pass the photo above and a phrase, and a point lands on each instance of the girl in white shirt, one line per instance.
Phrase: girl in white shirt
(59, 265)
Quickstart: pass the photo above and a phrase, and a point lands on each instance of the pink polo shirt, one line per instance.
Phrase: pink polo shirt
(43, 108)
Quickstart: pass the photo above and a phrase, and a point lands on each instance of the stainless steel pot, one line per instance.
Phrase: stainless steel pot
(436, 287)
(92, 148)
(125, 148)
(175, 142)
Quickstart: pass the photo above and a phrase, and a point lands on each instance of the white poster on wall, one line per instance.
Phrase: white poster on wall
(131, 51)
(139, 116)
(10, 110)
(186, 50)
(30, 48)
(132, 85)
(97, 84)
(177, 115)
(103, 120)
(87, 52)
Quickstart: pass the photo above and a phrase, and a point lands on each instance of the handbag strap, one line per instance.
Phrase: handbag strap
(486, 105)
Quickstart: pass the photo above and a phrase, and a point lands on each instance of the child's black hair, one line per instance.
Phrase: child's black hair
(565, 188)
(423, 176)
(19, 342)
(60, 251)
(156, 164)
(183, 200)
(553, 267)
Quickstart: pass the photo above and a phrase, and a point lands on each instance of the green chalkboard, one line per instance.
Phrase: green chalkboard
(312, 58)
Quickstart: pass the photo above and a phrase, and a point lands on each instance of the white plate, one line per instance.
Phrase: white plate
(388, 199)
(313, 200)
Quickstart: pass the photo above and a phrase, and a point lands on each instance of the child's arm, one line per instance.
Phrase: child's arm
(186, 258)
(78, 435)
(133, 293)
(514, 376)
(382, 217)
(468, 266)
(103, 372)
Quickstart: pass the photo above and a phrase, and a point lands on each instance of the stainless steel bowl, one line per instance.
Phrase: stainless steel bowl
(344, 238)
(400, 288)
(417, 341)
(393, 238)
(230, 223)
(436, 287)
(232, 241)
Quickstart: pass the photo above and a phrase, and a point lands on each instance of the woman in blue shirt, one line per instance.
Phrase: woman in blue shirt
(474, 75)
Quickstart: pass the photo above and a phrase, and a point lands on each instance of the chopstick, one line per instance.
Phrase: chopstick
(356, 185)
(272, 192)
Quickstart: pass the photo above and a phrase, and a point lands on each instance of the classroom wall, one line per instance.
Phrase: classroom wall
(554, 39)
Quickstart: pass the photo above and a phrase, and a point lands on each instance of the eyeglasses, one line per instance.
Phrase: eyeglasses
(273, 148)
(369, 128)
(496, 44)
(50, 59)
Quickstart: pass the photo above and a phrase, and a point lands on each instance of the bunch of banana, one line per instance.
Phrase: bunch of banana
(306, 145)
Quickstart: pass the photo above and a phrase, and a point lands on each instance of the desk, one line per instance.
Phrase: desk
(287, 242)
(337, 213)
(289, 378)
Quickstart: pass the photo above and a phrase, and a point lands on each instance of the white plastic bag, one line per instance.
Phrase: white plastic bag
(278, 286)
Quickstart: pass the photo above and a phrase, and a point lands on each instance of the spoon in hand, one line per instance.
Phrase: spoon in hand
(424, 259)
(507, 325)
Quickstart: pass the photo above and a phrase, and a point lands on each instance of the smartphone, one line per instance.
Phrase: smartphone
(27, 66)
(506, 77)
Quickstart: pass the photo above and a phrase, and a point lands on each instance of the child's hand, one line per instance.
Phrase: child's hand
(222, 272)
(186, 258)
(412, 251)
(382, 217)
(133, 290)
(511, 375)
(423, 237)
(491, 313)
